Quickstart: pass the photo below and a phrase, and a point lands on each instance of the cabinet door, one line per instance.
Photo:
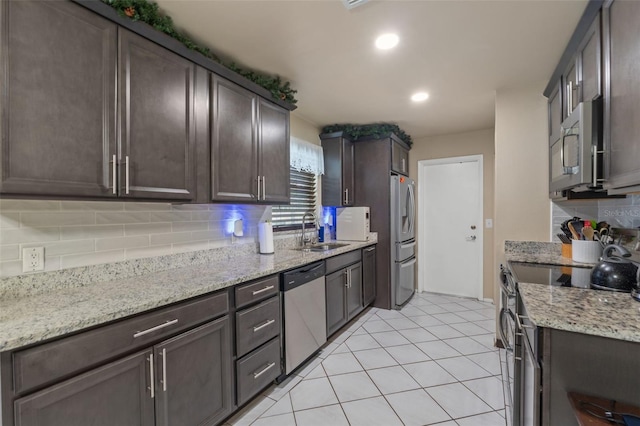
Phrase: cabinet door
(234, 174)
(354, 291)
(591, 63)
(157, 139)
(336, 310)
(58, 100)
(368, 275)
(622, 110)
(332, 178)
(399, 159)
(273, 134)
(555, 114)
(115, 394)
(194, 376)
(348, 173)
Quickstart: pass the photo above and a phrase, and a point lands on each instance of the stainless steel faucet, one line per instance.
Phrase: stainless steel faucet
(303, 238)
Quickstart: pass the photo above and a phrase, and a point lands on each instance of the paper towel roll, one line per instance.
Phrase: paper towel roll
(265, 237)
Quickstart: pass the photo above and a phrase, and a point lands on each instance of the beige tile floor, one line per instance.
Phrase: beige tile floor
(433, 362)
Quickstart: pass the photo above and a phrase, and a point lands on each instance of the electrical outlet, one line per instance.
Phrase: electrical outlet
(33, 259)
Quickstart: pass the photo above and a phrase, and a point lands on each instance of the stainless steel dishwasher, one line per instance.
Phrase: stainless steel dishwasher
(304, 310)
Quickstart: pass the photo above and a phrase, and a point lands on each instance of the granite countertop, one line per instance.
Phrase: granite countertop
(32, 319)
(580, 310)
(599, 313)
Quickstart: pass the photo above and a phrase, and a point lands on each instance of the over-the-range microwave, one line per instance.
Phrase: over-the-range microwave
(576, 158)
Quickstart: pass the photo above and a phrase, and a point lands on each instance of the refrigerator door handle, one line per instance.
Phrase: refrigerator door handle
(412, 213)
(406, 246)
(408, 263)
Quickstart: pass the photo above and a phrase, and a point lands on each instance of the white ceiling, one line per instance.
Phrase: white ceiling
(460, 52)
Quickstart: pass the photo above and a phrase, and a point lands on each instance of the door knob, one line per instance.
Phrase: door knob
(471, 238)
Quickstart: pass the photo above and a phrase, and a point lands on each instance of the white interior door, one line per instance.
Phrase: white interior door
(450, 226)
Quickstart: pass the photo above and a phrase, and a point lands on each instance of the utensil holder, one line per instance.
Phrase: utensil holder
(586, 251)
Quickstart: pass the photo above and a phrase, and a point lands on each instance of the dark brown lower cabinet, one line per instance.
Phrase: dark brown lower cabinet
(115, 394)
(186, 380)
(368, 275)
(344, 296)
(194, 376)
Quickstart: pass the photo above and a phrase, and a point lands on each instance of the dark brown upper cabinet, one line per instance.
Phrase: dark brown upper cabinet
(249, 146)
(157, 136)
(92, 110)
(399, 158)
(621, 21)
(58, 100)
(338, 181)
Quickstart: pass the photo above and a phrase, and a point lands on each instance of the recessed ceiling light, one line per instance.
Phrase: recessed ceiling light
(387, 41)
(420, 96)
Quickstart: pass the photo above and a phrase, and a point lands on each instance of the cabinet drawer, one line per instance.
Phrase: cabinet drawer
(257, 370)
(339, 262)
(256, 291)
(256, 325)
(49, 362)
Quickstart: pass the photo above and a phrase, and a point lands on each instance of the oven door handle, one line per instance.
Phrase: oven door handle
(505, 340)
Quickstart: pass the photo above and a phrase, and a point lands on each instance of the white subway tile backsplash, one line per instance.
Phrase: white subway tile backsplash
(59, 248)
(9, 220)
(103, 244)
(75, 260)
(28, 205)
(29, 235)
(80, 233)
(124, 218)
(9, 252)
(91, 206)
(93, 231)
(57, 219)
(147, 207)
(175, 237)
(189, 226)
(169, 216)
(137, 253)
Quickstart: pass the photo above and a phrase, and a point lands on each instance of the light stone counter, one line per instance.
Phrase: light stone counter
(598, 313)
(593, 312)
(32, 318)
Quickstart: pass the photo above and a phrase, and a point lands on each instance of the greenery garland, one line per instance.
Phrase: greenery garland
(377, 130)
(148, 12)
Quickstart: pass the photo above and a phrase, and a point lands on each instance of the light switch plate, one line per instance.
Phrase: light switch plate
(33, 259)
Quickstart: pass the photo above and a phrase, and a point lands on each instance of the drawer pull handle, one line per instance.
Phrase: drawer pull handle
(157, 327)
(264, 370)
(265, 324)
(152, 378)
(262, 290)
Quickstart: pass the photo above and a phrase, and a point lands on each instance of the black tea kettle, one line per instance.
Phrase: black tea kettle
(615, 272)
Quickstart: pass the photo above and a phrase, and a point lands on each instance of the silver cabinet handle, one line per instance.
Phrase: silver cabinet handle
(403, 169)
(264, 190)
(113, 172)
(157, 327)
(346, 278)
(262, 290)
(264, 370)
(126, 172)
(152, 378)
(258, 188)
(261, 326)
(164, 369)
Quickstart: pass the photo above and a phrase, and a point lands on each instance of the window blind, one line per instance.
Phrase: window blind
(303, 199)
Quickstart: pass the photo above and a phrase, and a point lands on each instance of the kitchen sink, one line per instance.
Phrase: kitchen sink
(320, 247)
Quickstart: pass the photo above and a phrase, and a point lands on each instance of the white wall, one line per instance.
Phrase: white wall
(522, 206)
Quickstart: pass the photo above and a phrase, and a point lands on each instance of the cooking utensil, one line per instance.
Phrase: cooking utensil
(588, 233)
(565, 228)
(575, 227)
(614, 272)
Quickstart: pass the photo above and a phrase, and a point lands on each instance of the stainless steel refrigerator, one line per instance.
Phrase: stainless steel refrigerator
(403, 242)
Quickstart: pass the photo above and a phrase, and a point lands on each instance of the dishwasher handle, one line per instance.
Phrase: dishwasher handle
(303, 275)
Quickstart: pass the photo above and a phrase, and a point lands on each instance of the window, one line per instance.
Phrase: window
(303, 198)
